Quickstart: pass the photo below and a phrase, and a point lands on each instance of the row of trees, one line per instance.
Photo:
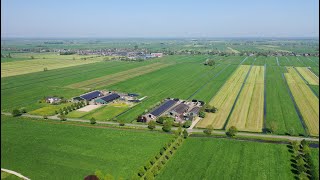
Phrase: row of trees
(156, 163)
(231, 132)
(74, 106)
(303, 165)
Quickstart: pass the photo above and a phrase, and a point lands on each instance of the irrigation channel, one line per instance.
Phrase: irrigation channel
(295, 106)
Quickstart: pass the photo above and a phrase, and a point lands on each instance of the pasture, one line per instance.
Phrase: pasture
(305, 99)
(49, 109)
(247, 114)
(224, 99)
(212, 158)
(53, 150)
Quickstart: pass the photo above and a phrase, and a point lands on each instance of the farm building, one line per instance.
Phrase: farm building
(107, 99)
(165, 106)
(156, 54)
(53, 100)
(194, 111)
(91, 95)
(179, 110)
(77, 99)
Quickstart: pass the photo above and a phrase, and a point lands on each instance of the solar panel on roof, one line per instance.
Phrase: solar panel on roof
(110, 97)
(163, 107)
(91, 95)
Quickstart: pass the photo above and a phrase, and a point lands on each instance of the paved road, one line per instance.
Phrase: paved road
(257, 135)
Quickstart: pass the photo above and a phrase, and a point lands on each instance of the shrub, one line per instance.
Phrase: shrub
(147, 166)
(16, 113)
(167, 126)
(154, 171)
(23, 110)
(149, 176)
(158, 156)
(162, 150)
(153, 160)
(93, 120)
(202, 114)
(187, 124)
(45, 117)
(121, 122)
(62, 117)
(185, 134)
(232, 131)
(141, 171)
(151, 125)
(208, 130)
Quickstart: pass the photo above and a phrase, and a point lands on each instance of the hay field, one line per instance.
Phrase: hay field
(309, 76)
(248, 111)
(225, 99)
(306, 101)
(37, 65)
(118, 77)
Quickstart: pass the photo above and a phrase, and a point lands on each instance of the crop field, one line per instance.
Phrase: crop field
(315, 158)
(36, 65)
(307, 61)
(53, 150)
(249, 60)
(295, 61)
(309, 76)
(280, 110)
(232, 60)
(248, 111)
(118, 77)
(260, 61)
(49, 109)
(211, 158)
(224, 99)
(307, 102)
(283, 61)
(272, 61)
(101, 114)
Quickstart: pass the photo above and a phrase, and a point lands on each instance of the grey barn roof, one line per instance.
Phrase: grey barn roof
(91, 95)
(195, 110)
(180, 108)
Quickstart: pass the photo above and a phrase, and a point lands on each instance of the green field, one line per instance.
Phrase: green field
(315, 159)
(53, 150)
(280, 109)
(49, 109)
(209, 158)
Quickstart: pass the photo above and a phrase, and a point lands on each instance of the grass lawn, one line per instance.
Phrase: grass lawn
(315, 158)
(8, 176)
(49, 109)
(107, 112)
(209, 158)
(53, 150)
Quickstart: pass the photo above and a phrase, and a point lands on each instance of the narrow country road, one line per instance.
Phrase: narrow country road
(14, 173)
(244, 134)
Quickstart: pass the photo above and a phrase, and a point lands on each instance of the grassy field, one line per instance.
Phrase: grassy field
(309, 76)
(280, 111)
(209, 158)
(103, 113)
(49, 109)
(315, 158)
(49, 61)
(53, 150)
(307, 102)
(118, 77)
(8, 176)
(248, 111)
(224, 99)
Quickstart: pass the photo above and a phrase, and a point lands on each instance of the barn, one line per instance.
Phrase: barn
(107, 99)
(165, 106)
(91, 95)
(179, 109)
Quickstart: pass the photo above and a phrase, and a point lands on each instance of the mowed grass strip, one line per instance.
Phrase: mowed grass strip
(224, 99)
(309, 76)
(25, 67)
(118, 77)
(212, 158)
(48, 150)
(306, 100)
(248, 112)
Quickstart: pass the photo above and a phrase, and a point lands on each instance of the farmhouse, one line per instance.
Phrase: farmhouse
(107, 99)
(53, 100)
(179, 110)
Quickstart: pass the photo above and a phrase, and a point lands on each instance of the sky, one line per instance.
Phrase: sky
(161, 18)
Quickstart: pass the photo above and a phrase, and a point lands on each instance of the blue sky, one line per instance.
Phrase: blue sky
(162, 18)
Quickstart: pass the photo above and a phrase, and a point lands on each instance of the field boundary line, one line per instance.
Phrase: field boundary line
(277, 61)
(301, 62)
(296, 107)
(307, 83)
(314, 62)
(216, 75)
(312, 72)
(243, 60)
(265, 98)
(14, 173)
(235, 101)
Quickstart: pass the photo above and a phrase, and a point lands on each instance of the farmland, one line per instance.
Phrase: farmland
(310, 77)
(280, 111)
(228, 159)
(224, 99)
(307, 102)
(248, 111)
(44, 150)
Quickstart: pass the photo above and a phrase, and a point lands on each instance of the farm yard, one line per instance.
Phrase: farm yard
(35, 149)
(228, 159)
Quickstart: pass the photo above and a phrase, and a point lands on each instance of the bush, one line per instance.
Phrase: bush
(93, 120)
(121, 122)
(185, 134)
(155, 171)
(23, 110)
(151, 125)
(202, 114)
(45, 117)
(167, 126)
(147, 166)
(16, 113)
(153, 160)
(209, 130)
(141, 171)
(149, 176)
(62, 117)
(232, 131)
(187, 124)
(158, 156)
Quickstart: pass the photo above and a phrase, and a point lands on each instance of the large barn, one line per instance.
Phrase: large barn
(107, 99)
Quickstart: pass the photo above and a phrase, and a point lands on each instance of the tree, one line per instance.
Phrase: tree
(32, 57)
(187, 124)
(141, 171)
(304, 143)
(149, 176)
(232, 131)
(185, 133)
(167, 126)
(16, 113)
(62, 117)
(45, 117)
(178, 131)
(45, 69)
(23, 110)
(121, 122)
(300, 165)
(151, 125)
(202, 114)
(69, 108)
(93, 120)
(208, 130)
